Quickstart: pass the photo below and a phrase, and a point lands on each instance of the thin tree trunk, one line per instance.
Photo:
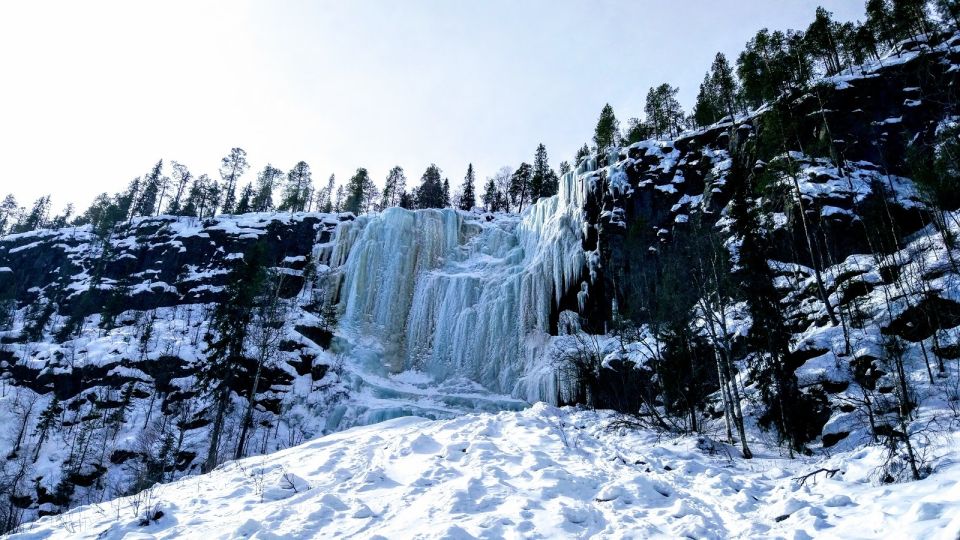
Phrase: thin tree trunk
(215, 433)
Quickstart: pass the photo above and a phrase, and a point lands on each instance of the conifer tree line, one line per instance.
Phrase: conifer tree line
(172, 189)
(774, 62)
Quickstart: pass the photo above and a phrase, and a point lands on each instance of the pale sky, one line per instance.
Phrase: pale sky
(93, 93)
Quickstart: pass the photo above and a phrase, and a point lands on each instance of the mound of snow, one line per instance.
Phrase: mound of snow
(540, 473)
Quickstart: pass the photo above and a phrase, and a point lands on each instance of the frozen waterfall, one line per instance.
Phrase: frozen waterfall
(454, 295)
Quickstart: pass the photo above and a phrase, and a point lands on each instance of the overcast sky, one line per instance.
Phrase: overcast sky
(92, 93)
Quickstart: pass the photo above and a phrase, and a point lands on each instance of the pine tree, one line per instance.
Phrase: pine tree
(194, 204)
(395, 185)
(565, 167)
(635, 131)
(36, 218)
(664, 113)
(911, 18)
(232, 168)
(607, 131)
(181, 179)
(821, 41)
(772, 63)
(299, 184)
(445, 199)
(468, 197)
(267, 181)
(520, 185)
(880, 20)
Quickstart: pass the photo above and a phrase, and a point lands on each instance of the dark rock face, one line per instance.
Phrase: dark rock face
(119, 384)
(166, 261)
(846, 150)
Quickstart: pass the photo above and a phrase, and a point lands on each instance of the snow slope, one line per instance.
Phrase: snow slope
(540, 473)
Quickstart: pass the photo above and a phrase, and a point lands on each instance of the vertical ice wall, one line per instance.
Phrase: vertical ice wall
(456, 296)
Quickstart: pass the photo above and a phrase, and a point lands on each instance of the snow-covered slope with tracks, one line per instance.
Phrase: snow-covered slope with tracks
(540, 473)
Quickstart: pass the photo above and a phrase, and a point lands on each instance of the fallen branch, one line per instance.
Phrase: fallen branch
(828, 472)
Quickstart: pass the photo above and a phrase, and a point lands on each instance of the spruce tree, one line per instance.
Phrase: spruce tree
(246, 197)
(583, 152)
(128, 199)
(544, 182)
(724, 85)
(229, 328)
(491, 197)
(607, 131)
(706, 111)
(358, 191)
(406, 201)
(430, 194)
(445, 200)
(194, 202)
(468, 197)
(214, 197)
(147, 202)
(769, 338)
(327, 206)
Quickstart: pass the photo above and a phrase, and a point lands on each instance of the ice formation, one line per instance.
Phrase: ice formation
(455, 295)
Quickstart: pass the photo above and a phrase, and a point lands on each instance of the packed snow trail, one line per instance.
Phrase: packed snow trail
(539, 473)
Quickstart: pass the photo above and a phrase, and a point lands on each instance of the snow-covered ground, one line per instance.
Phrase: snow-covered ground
(539, 473)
